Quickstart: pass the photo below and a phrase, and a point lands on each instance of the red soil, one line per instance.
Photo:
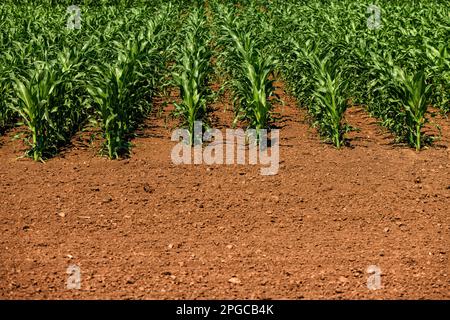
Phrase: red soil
(146, 228)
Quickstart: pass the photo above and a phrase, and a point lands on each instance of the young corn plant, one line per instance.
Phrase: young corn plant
(252, 79)
(412, 94)
(192, 74)
(329, 101)
(122, 91)
(110, 89)
(48, 105)
(252, 92)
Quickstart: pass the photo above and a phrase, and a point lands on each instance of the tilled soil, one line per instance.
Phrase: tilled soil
(144, 228)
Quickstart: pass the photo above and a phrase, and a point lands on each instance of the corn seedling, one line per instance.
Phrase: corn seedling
(329, 101)
(412, 93)
(117, 103)
(251, 76)
(47, 106)
(193, 72)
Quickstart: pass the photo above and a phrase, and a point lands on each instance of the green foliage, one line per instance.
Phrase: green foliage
(48, 104)
(412, 37)
(251, 70)
(193, 71)
(7, 114)
(329, 98)
(412, 94)
(324, 51)
(50, 75)
(122, 91)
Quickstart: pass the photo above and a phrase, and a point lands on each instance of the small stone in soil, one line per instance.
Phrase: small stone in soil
(234, 280)
(107, 199)
(148, 188)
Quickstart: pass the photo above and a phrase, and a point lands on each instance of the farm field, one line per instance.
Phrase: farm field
(91, 95)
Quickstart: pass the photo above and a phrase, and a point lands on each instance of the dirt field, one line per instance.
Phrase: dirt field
(144, 228)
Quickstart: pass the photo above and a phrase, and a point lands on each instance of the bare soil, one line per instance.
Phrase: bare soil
(144, 228)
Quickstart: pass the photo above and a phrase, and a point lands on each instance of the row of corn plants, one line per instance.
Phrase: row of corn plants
(321, 79)
(250, 68)
(7, 116)
(329, 98)
(397, 69)
(122, 90)
(193, 71)
(53, 79)
(48, 103)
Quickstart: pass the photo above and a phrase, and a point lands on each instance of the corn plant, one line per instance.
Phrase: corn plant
(439, 60)
(47, 105)
(329, 98)
(122, 91)
(252, 75)
(111, 88)
(193, 72)
(412, 94)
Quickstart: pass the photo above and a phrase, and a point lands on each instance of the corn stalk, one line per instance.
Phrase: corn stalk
(192, 73)
(252, 74)
(412, 94)
(48, 103)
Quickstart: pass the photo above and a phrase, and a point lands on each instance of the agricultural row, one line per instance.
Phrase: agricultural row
(59, 75)
(55, 79)
(393, 58)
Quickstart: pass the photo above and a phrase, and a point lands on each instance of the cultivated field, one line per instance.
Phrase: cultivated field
(347, 101)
